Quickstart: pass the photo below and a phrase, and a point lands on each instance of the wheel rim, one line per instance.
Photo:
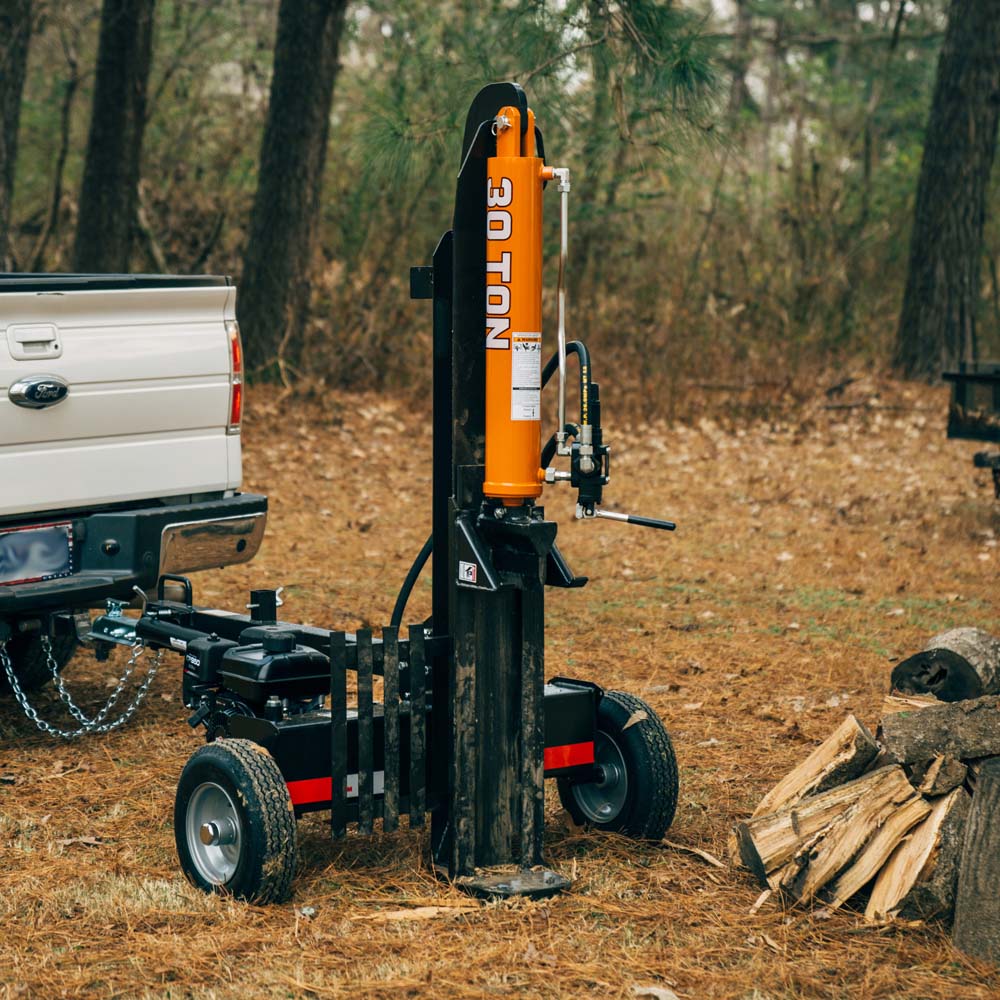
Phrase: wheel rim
(601, 801)
(214, 833)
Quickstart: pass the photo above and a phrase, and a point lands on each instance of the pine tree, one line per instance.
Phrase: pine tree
(274, 295)
(15, 34)
(937, 324)
(109, 193)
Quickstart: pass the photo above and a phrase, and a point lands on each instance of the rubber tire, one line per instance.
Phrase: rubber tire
(650, 766)
(30, 663)
(254, 782)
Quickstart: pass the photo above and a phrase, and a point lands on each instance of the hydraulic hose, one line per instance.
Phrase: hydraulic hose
(411, 578)
(573, 347)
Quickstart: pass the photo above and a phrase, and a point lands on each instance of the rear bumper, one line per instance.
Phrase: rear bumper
(117, 550)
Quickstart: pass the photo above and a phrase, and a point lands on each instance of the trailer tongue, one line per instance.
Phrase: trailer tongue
(467, 728)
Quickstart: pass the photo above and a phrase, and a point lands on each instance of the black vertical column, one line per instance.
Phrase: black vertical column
(443, 478)
(532, 747)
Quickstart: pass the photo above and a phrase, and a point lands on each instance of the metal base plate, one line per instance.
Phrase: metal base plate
(535, 884)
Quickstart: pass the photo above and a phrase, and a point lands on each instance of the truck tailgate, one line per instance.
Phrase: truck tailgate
(148, 404)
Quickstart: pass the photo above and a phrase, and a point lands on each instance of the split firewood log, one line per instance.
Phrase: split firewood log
(767, 843)
(857, 828)
(843, 756)
(956, 665)
(876, 852)
(962, 730)
(918, 880)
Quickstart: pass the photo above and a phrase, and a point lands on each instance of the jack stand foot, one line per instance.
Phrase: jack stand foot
(533, 883)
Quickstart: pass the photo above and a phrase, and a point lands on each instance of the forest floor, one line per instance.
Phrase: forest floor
(813, 552)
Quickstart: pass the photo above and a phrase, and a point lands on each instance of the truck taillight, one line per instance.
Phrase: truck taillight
(235, 376)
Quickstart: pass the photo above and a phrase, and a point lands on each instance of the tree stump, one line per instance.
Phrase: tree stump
(955, 665)
(977, 900)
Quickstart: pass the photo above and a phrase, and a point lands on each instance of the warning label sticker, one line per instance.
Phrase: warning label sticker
(467, 572)
(526, 376)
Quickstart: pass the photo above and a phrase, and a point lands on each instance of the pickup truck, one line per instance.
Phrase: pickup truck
(120, 407)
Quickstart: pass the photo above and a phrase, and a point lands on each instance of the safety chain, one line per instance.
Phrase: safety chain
(87, 725)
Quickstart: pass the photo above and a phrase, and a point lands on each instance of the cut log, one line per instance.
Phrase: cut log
(961, 729)
(766, 843)
(878, 849)
(954, 666)
(941, 775)
(829, 853)
(918, 880)
(977, 901)
(843, 756)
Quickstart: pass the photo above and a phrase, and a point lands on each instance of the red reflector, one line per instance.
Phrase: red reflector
(569, 755)
(309, 790)
(236, 405)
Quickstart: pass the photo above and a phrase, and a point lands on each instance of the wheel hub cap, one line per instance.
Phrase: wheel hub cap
(602, 800)
(214, 834)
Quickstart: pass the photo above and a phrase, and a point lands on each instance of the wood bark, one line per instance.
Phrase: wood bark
(843, 756)
(972, 775)
(15, 36)
(956, 665)
(937, 324)
(109, 192)
(918, 880)
(274, 292)
(977, 901)
(962, 729)
(766, 843)
(941, 775)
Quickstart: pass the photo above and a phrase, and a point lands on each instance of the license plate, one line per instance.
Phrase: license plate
(30, 555)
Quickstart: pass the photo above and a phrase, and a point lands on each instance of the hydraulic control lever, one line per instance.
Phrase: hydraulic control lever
(613, 515)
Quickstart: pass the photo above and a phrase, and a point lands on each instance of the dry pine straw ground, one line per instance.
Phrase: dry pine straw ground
(811, 554)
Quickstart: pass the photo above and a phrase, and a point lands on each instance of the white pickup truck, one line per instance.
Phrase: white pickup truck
(120, 405)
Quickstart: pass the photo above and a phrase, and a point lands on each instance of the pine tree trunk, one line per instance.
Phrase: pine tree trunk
(109, 193)
(15, 34)
(937, 325)
(274, 290)
(739, 94)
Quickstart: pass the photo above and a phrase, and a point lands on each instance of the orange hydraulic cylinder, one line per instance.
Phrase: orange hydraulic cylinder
(513, 314)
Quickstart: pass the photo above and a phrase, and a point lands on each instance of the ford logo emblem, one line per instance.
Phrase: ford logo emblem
(38, 391)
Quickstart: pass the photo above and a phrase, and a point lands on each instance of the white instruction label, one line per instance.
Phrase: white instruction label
(526, 376)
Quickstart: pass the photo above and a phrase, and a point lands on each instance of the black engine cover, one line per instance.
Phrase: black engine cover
(276, 666)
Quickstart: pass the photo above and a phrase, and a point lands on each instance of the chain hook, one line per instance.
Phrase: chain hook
(97, 724)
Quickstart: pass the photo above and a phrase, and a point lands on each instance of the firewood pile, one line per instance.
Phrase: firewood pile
(905, 823)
